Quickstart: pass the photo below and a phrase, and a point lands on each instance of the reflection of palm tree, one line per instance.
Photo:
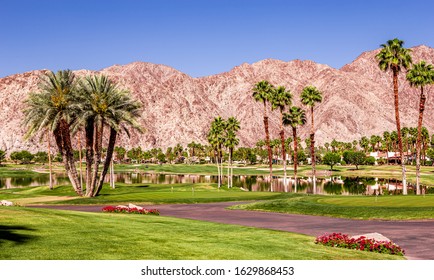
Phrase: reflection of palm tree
(419, 76)
(296, 117)
(394, 57)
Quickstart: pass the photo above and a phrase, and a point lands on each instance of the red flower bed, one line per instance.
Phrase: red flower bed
(362, 243)
(127, 210)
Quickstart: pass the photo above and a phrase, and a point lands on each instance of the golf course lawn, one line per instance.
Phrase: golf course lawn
(135, 193)
(27, 233)
(352, 207)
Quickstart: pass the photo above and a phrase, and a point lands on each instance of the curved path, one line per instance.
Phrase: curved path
(415, 237)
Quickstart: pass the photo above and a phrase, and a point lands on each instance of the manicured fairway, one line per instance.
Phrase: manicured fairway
(353, 207)
(138, 193)
(50, 234)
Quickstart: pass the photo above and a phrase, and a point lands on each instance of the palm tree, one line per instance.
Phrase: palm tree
(52, 108)
(216, 140)
(261, 93)
(191, 146)
(231, 141)
(394, 57)
(296, 117)
(364, 143)
(280, 99)
(420, 75)
(309, 97)
(101, 103)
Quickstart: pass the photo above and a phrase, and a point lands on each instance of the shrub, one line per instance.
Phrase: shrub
(362, 243)
(370, 161)
(23, 156)
(133, 210)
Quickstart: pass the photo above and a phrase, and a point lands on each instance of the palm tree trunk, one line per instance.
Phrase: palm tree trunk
(294, 134)
(50, 166)
(267, 142)
(68, 156)
(89, 134)
(221, 165)
(229, 171)
(112, 174)
(312, 151)
(79, 155)
(108, 159)
(97, 156)
(231, 152)
(282, 139)
(218, 169)
(398, 128)
(419, 139)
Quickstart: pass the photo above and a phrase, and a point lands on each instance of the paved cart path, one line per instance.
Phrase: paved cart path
(415, 237)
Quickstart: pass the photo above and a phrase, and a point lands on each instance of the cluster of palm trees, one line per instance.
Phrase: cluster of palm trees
(66, 106)
(280, 98)
(395, 58)
(222, 134)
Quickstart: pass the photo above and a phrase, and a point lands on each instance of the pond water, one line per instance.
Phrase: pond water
(330, 185)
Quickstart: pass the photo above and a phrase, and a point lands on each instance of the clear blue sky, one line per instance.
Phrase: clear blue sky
(201, 37)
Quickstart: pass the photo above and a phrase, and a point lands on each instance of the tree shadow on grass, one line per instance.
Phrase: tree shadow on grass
(14, 233)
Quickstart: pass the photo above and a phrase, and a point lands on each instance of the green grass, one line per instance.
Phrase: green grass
(352, 207)
(139, 193)
(27, 233)
(204, 169)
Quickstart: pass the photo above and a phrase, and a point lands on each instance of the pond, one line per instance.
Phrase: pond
(331, 185)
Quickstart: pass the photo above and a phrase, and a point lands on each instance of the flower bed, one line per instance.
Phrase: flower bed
(362, 243)
(130, 210)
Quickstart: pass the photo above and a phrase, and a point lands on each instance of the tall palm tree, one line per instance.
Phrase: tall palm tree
(261, 93)
(309, 97)
(216, 140)
(295, 118)
(393, 56)
(102, 104)
(231, 141)
(280, 99)
(420, 75)
(52, 108)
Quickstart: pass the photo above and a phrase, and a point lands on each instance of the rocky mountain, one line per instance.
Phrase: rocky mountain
(357, 100)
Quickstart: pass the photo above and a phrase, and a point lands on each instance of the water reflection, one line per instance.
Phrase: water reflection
(331, 185)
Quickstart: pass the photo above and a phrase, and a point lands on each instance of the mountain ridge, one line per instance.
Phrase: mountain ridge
(357, 100)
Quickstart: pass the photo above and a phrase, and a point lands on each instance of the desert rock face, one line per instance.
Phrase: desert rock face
(357, 101)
